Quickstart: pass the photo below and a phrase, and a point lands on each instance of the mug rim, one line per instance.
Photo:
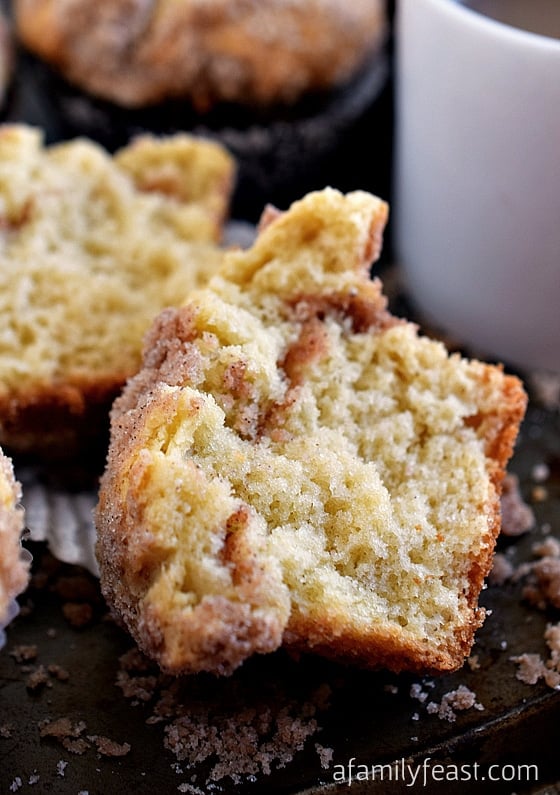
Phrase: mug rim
(503, 30)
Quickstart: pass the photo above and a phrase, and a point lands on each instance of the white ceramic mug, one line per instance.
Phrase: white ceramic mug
(476, 204)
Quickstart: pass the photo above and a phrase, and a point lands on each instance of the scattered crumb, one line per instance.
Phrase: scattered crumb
(418, 693)
(58, 672)
(6, 731)
(140, 688)
(540, 473)
(247, 743)
(549, 547)
(190, 789)
(517, 516)
(70, 735)
(16, 784)
(532, 668)
(61, 768)
(107, 747)
(546, 388)
(545, 589)
(325, 755)
(24, 653)
(473, 662)
(502, 570)
(39, 678)
(539, 494)
(456, 700)
(61, 728)
(542, 588)
(34, 778)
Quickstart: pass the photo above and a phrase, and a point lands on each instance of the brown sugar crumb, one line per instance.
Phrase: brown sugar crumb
(456, 700)
(539, 494)
(473, 662)
(67, 733)
(71, 736)
(6, 730)
(532, 667)
(542, 588)
(140, 688)
(58, 672)
(502, 570)
(61, 728)
(24, 653)
(107, 747)
(190, 789)
(545, 387)
(38, 678)
(325, 755)
(517, 516)
(246, 744)
(245, 736)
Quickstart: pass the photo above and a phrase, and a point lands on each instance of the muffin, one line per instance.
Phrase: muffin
(14, 562)
(92, 248)
(209, 51)
(293, 466)
(285, 86)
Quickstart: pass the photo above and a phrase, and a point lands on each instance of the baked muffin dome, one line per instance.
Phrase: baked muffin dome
(251, 52)
(295, 466)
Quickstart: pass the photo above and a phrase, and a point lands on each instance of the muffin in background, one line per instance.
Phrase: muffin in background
(284, 85)
(91, 248)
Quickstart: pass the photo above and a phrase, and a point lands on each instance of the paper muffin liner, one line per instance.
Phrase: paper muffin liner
(62, 519)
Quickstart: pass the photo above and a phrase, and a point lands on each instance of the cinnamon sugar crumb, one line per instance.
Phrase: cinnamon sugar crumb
(455, 700)
(532, 667)
(502, 570)
(517, 516)
(24, 653)
(38, 678)
(325, 755)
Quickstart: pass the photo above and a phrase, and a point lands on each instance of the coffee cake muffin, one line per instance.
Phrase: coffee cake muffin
(295, 466)
(14, 564)
(298, 92)
(92, 247)
(207, 51)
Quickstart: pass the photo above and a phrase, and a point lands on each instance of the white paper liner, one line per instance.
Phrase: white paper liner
(62, 519)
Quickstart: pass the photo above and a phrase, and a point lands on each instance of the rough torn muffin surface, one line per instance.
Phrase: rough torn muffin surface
(14, 565)
(92, 247)
(293, 465)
